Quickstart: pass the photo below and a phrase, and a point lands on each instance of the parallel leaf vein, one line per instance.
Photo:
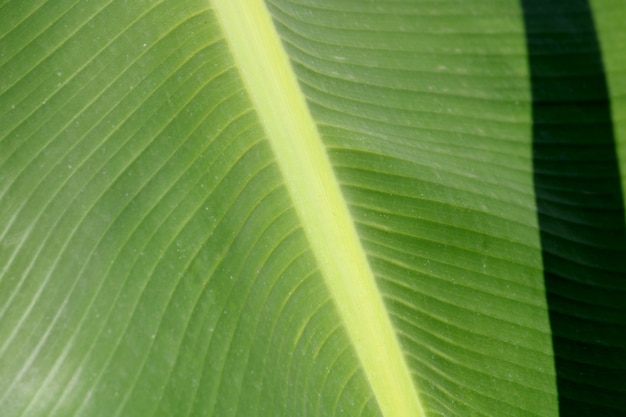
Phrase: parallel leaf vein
(313, 186)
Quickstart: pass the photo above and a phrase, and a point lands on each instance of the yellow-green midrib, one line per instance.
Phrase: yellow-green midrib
(304, 163)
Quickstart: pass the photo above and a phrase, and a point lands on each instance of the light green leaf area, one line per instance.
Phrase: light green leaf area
(350, 230)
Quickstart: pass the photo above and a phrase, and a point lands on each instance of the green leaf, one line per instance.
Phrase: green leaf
(312, 207)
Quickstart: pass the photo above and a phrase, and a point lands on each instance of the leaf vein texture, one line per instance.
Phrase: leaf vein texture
(315, 191)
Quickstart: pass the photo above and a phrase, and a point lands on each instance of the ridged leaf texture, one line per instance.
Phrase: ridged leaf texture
(381, 208)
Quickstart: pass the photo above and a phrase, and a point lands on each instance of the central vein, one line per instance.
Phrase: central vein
(302, 158)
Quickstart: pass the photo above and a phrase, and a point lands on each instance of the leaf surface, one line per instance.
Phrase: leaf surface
(360, 237)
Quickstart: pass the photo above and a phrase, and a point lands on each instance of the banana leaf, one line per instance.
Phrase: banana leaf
(312, 208)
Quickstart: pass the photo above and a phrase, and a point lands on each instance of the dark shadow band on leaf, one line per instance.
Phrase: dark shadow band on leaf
(580, 207)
